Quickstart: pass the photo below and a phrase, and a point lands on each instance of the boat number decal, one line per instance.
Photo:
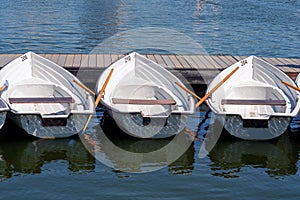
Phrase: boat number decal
(127, 59)
(24, 58)
(243, 62)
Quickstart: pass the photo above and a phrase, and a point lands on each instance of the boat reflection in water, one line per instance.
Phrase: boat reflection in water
(27, 156)
(123, 153)
(278, 157)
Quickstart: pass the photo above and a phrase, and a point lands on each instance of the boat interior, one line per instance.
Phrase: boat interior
(149, 100)
(252, 101)
(40, 98)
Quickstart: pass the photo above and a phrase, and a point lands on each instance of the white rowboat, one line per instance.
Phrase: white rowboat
(43, 99)
(254, 103)
(143, 99)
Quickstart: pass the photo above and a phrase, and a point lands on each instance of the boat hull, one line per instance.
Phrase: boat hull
(3, 112)
(2, 118)
(34, 125)
(137, 126)
(257, 129)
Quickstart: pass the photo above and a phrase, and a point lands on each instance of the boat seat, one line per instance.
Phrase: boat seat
(41, 100)
(253, 102)
(144, 101)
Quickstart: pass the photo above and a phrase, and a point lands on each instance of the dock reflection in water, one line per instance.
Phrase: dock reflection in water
(28, 156)
(277, 157)
(127, 154)
(229, 158)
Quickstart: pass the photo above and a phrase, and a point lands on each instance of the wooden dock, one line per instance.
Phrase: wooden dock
(197, 69)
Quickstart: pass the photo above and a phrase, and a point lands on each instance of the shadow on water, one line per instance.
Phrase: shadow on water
(20, 154)
(229, 158)
(24, 154)
(277, 157)
(124, 153)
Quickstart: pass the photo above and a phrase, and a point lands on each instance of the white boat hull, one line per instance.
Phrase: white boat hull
(137, 126)
(3, 112)
(272, 128)
(55, 128)
(2, 118)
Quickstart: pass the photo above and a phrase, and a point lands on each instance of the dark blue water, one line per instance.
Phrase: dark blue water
(262, 28)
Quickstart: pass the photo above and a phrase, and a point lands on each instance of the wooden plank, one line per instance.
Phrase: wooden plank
(144, 101)
(121, 56)
(239, 58)
(48, 56)
(114, 57)
(220, 62)
(41, 100)
(285, 63)
(206, 63)
(253, 102)
(168, 62)
(62, 60)
(296, 61)
(191, 61)
(18, 55)
(175, 61)
(77, 60)
(269, 60)
(92, 61)
(3, 60)
(212, 63)
(288, 61)
(202, 63)
(229, 60)
(276, 63)
(160, 60)
(55, 58)
(282, 66)
(69, 60)
(6, 58)
(151, 57)
(84, 60)
(205, 70)
(183, 62)
(224, 59)
(107, 60)
(100, 61)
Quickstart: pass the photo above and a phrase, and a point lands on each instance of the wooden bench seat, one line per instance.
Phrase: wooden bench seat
(41, 100)
(253, 102)
(144, 101)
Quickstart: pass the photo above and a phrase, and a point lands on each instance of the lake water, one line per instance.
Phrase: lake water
(102, 166)
(66, 168)
(249, 27)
